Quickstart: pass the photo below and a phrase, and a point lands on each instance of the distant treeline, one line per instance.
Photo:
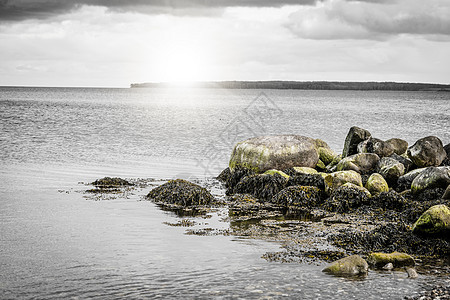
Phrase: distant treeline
(308, 85)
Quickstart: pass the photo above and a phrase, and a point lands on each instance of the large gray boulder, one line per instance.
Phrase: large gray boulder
(348, 266)
(278, 152)
(377, 146)
(361, 162)
(427, 152)
(431, 177)
(390, 169)
(355, 136)
(400, 146)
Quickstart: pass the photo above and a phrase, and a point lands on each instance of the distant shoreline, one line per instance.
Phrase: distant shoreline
(305, 85)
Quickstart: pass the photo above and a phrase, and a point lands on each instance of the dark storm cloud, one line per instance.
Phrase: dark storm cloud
(16, 10)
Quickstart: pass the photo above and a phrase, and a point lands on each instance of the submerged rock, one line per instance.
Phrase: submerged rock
(180, 192)
(274, 152)
(361, 163)
(431, 177)
(354, 136)
(427, 151)
(398, 259)
(348, 266)
(400, 146)
(377, 146)
(376, 184)
(435, 222)
(109, 182)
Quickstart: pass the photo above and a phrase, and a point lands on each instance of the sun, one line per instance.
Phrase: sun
(182, 61)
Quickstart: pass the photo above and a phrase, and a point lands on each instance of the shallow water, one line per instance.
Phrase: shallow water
(55, 243)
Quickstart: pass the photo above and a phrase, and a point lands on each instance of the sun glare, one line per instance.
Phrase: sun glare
(182, 62)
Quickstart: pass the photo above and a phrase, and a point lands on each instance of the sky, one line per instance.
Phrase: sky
(111, 43)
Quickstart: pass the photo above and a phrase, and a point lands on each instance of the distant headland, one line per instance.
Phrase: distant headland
(306, 85)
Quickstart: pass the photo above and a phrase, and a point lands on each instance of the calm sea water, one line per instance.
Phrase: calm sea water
(55, 243)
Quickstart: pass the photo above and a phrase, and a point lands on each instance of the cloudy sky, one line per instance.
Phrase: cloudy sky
(112, 43)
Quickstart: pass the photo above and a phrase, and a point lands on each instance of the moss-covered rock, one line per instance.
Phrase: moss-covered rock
(326, 155)
(435, 222)
(307, 180)
(404, 182)
(361, 163)
(299, 196)
(110, 182)
(300, 170)
(274, 152)
(398, 259)
(426, 152)
(390, 200)
(235, 177)
(336, 179)
(262, 186)
(407, 163)
(400, 146)
(272, 172)
(390, 169)
(354, 136)
(348, 266)
(180, 192)
(224, 175)
(431, 177)
(360, 188)
(321, 166)
(376, 184)
(346, 198)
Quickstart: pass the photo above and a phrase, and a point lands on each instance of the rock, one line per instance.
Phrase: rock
(274, 152)
(320, 165)
(435, 222)
(272, 172)
(446, 194)
(412, 273)
(331, 167)
(326, 155)
(357, 187)
(346, 198)
(427, 152)
(300, 170)
(316, 180)
(390, 169)
(398, 259)
(377, 146)
(109, 182)
(376, 184)
(390, 200)
(180, 192)
(321, 144)
(361, 162)
(446, 161)
(404, 182)
(262, 186)
(400, 146)
(224, 175)
(407, 163)
(235, 177)
(431, 177)
(348, 266)
(388, 266)
(243, 204)
(336, 179)
(299, 196)
(354, 136)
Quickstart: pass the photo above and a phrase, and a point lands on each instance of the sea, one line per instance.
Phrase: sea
(59, 242)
